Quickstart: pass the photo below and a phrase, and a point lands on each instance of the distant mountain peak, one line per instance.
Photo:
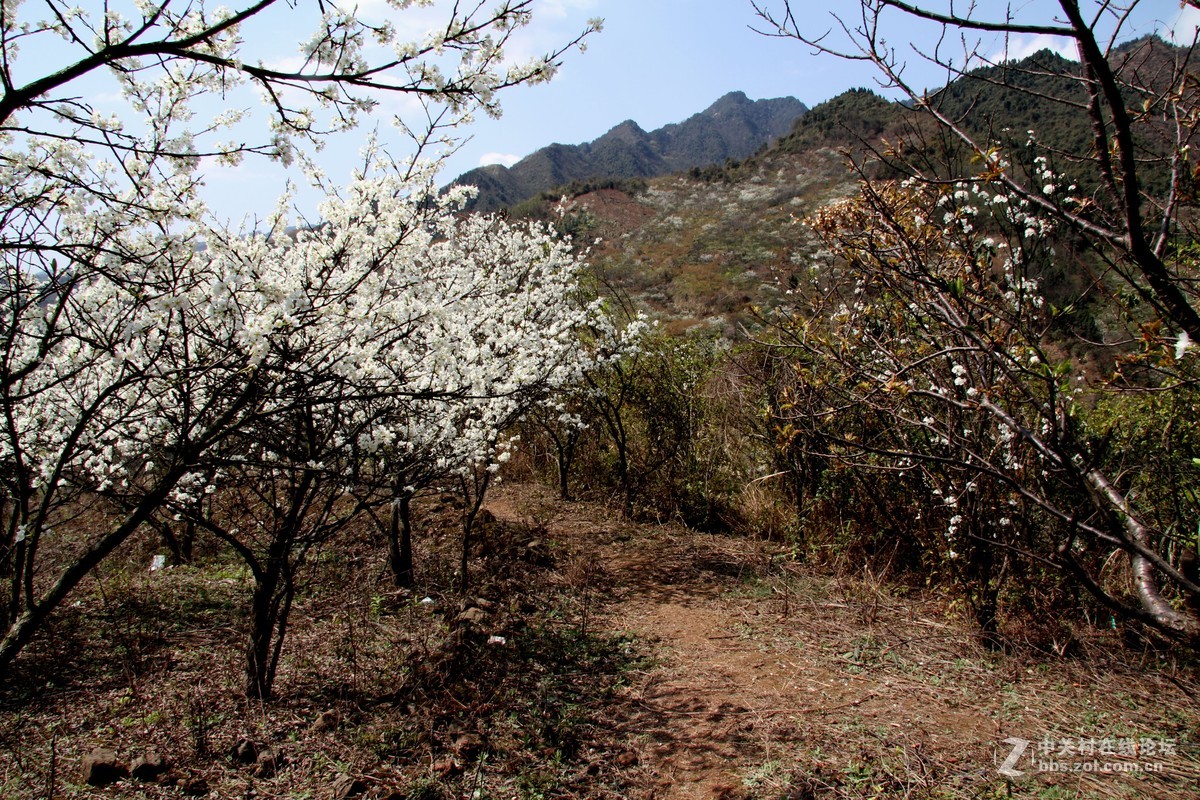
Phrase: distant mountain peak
(730, 100)
(628, 124)
(733, 127)
(627, 130)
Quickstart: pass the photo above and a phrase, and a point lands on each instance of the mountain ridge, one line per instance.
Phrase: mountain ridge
(733, 127)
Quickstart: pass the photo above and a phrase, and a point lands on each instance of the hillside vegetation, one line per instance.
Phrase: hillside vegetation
(773, 274)
(863, 464)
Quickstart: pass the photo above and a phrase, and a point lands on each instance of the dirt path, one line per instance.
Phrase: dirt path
(772, 682)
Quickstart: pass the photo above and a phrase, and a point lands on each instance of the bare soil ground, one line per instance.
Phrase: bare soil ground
(771, 681)
(606, 659)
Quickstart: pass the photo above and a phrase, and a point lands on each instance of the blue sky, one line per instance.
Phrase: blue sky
(656, 62)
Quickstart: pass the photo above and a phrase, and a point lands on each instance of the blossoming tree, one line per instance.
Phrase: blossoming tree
(394, 344)
(937, 355)
(137, 337)
(1140, 103)
(931, 358)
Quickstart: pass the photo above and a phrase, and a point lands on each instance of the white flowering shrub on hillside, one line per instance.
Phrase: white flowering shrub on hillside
(139, 338)
(393, 346)
(932, 362)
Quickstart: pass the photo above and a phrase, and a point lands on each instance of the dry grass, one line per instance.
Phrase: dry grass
(424, 705)
(776, 679)
(639, 661)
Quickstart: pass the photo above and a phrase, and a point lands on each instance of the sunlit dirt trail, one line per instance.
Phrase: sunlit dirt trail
(732, 692)
(762, 672)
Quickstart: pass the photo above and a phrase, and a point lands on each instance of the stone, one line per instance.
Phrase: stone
(725, 791)
(148, 768)
(195, 787)
(348, 786)
(245, 751)
(328, 721)
(537, 552)
(102, 767)
(456, 641)
(472, 616)
(268, 763)
(468, 745)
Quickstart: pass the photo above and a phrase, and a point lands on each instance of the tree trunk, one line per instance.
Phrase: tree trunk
(400, 552)
(25, 624)
(186, 541)
(180, 544)
(480, 486)
(261, 656)
(566, 457)
(1145, 572)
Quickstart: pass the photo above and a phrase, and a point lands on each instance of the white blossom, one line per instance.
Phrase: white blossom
(1181, 345)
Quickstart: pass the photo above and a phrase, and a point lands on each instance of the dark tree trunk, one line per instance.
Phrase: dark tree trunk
(179, 543)
(269, 608)
(566, 457)
(469, 515)
(400, 551)
(32, 613)
(187, 539)
(1189, 565)
(464, 579)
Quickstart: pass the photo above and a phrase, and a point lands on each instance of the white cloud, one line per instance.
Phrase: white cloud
(507, 159)
(1023, 46)
(407, 106)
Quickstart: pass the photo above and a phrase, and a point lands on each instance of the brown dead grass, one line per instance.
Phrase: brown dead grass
(644, 661)
(774, 681)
